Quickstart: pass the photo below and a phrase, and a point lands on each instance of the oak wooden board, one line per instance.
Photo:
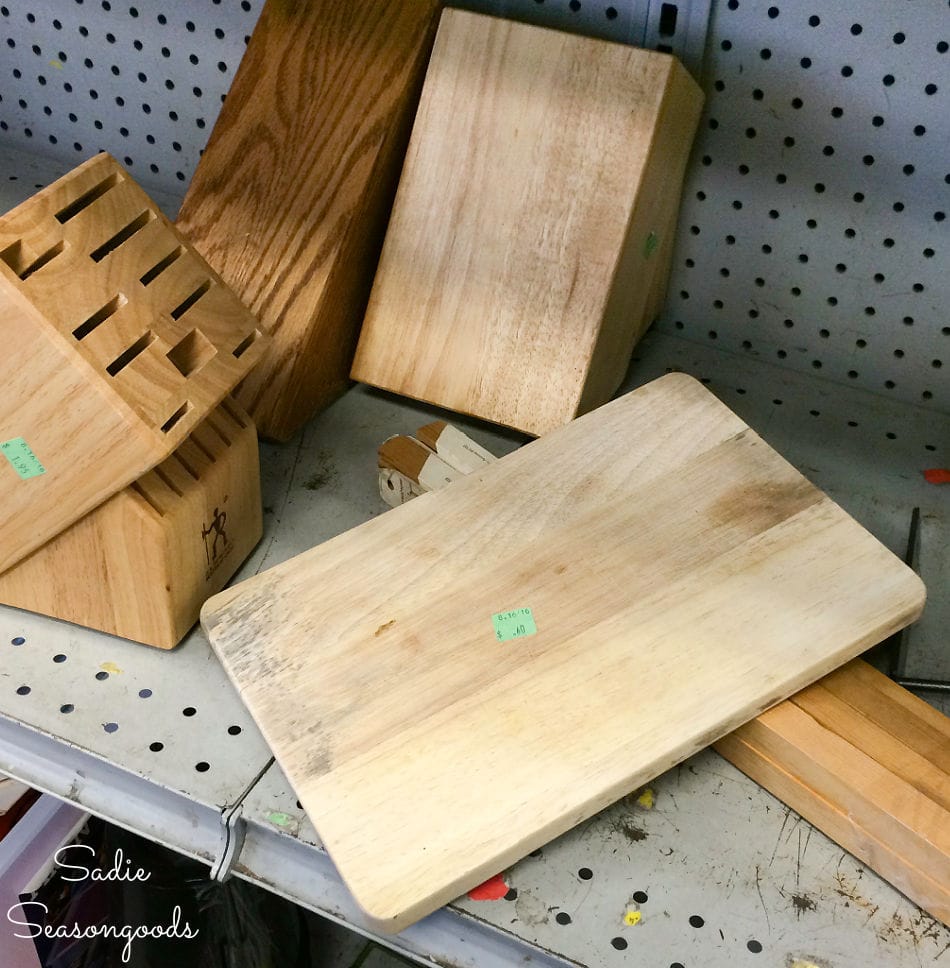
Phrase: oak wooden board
(529, 241)
(683, 577)
(118, 340)
(289, 201)
(143, 563)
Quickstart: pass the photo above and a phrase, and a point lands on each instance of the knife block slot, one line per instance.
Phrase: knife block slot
(162, 545)
(162, 265)
(191, 353)
(24, 261)
(88, 197)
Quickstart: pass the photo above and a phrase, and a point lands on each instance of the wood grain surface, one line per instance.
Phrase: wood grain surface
(118, 339)
(868, 763)
(529, 240)
(682, 577)
(143, 563)
(290, 200)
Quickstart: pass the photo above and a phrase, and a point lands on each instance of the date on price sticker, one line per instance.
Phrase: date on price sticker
(515, 624)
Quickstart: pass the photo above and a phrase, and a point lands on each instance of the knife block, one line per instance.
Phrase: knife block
(118, 339)
(531, 235)
(290, 200)
(142, 564)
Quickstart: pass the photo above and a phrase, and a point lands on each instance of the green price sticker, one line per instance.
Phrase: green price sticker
(514, 625)
(21, 458)
(650, 245)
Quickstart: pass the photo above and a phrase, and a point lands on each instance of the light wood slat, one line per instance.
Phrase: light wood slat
(834, 817)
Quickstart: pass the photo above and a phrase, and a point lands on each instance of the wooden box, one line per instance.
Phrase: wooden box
(142, 564)
(531, 235)
(289, 202)
(118, 339)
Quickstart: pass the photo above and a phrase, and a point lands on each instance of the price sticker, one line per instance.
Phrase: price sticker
(21, 458)
(515, 624)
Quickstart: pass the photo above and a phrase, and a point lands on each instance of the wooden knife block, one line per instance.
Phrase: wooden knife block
(118, 339)
(532, 231)
(142, 564)
(290, 200)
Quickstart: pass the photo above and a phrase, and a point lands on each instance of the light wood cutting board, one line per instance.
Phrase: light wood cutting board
(530, 238)
(682, 578)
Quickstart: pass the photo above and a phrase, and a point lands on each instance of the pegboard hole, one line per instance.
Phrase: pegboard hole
(156, 747)
(234, 730)
(66, 708)
(202, 767)
(18, 640)
(59, 657)
(102, 675)
(110, 727)
(145, 693)
(189, 711)
(23, 690)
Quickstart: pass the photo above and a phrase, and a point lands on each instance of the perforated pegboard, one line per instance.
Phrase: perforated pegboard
(813, 230)
(143, 81)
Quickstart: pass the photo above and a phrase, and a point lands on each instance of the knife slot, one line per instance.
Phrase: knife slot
(123, 235)
(189, 301)
(162, 265)
(99, 316)
(87, 198)
(125, 358)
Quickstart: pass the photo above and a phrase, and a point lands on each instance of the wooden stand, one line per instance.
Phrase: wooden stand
(530, 239)
(290, 200)
(142, 564)
(118, 340)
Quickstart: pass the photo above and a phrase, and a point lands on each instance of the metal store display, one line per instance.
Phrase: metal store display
(808, 291)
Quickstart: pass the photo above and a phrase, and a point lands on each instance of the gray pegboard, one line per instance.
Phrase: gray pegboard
(143, 81)
(813, 230)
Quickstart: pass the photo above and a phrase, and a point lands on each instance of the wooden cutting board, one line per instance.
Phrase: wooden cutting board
(289, 201)
(682, 577)
(530, 238)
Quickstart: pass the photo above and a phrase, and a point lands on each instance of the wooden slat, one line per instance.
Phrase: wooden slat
(835, 818)
(290, 199)
(519, 265)
(855, 727)
(678, 549)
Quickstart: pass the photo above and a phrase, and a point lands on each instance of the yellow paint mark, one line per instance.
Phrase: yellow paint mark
(646, 799)
(798, 963)
(111, 668)
(57, 64)
(632, 918)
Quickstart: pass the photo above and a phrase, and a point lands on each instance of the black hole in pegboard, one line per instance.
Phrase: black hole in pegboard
(102, 675)
(66, 708)
(562, 917)
(619, 943)
(189, 711)
(640, 897)
(202, 767)
(585, 873)
(156, 747)
(110, 727)
(696, 921)
(23, 690)
(234, 730)
(145, 693)
(754, 946)
(59, 657)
